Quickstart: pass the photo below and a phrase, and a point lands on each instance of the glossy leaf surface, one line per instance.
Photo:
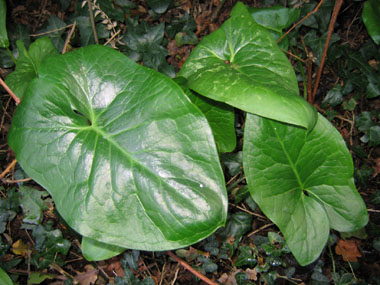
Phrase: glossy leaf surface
(220, 116)
(303, 183)
(370, 15)
(240, 64)
(4, 42)
(94, 250)
(127, 158)
(28, 63)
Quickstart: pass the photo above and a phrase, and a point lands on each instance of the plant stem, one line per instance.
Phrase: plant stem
(92, 21)
(9, 167)
(338, 5)
(10, 92)
(300, 21)
(192, 270)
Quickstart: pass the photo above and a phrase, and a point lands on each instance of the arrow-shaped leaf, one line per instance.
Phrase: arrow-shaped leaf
(127, 158)
(302, 182)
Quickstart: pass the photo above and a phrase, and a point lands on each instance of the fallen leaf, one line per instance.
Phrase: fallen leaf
(376, 168)
(230, 239)
(116, 268)
(20, 248)
(89, 277)
(251, 273)
(348, 250)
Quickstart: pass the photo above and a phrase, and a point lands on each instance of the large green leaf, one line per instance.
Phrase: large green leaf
(302, 182)
(220, 116)
(240, 64)
(28, 63)
(370, 15)
(127, 158)
(4, 42)
(94, 250)
(4, 278)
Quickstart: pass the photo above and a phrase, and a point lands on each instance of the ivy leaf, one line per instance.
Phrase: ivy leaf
(334, 97)
(127, 158)
(275, 19)
(95, 250)
(370, 16)
(33, 204)
(241, 65)
(364, 121)
(8, 209)
(159, 6)
(28, 64)
(302, 182)
(55, 24)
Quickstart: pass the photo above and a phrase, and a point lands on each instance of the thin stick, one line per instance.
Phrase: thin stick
(260, 229)
(10, 92)
(16, 181)
(92, 21)
(175, 275)
(69, 37)
(373, 210)
(338, 5)
(52, 31)
(192, 270)
(300, 21)
(10, 166)
(110, 39)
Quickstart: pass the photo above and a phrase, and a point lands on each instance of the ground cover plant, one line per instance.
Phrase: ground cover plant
(119, 146)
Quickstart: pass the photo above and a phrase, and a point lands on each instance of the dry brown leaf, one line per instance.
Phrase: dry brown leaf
(116, 268)
(348, 250)
(20, 248)
(251, 273)
(230, 239)
(89, 277)
(376, 168)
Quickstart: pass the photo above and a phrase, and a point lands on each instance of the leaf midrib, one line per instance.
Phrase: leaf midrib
(292, 165)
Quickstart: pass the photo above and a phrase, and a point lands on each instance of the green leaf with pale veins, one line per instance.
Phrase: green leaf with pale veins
(94, 250)
(240, 64)
(302, 182)
(33, 203)
(28, 63)
(127, 158)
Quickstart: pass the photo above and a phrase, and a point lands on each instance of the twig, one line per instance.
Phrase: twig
(162, 274)
(52, 31)
(175, 275)
(192, 270)
(10, 166)
(300, 21)
(16, 181)
(68, 38)
(92, 21)
(111, 38)
(338, 5)
(10, 92)
(373, 210)
(260, 229)
(249, 212)
(216, 11)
